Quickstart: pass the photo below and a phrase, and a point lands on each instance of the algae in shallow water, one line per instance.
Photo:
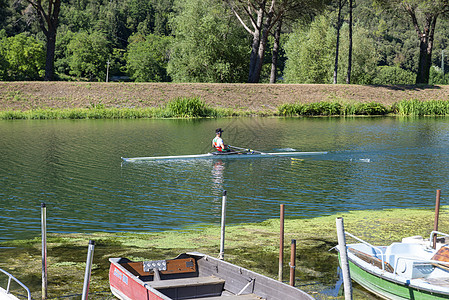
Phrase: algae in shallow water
(254, 246)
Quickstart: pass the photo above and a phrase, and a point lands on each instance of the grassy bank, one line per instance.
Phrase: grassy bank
(197, 108)
(254, 246)
(132, 100)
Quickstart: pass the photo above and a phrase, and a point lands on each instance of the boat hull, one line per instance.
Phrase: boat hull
(387, 288)
(223, 155)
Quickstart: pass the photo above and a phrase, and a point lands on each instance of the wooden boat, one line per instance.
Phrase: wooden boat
(233, 154)
(6, 293)
(194, 275)
(412, 269)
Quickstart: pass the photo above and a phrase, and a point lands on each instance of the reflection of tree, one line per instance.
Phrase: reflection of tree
(217, 175)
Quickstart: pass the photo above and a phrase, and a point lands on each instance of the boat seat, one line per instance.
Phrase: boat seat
(193, 287)
(235, 297)
(406, 250)
(372, 259)
(185, 282)
(171, 266)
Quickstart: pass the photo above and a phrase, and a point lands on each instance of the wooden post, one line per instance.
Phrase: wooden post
(223, 225)
(293, 263)
(281, 242)
(437, 213)
(44, 249)
(90, 256)
(344, 259)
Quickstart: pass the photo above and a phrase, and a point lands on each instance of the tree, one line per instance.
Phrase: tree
(275, 52)
(340, 5)
(259, 17)
(207, 45)
(147, 58)
(423, 16)
(48, 21)
(348, 74)
(88, 55)
(310, 51)
(22, 57)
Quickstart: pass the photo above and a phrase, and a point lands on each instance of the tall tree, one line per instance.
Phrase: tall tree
(340, 5)
(275, 52)
(259, 17)
(207, 45)
(423, 15)
(48, 22)
(348, 74)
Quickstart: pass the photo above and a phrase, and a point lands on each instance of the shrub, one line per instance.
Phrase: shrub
(393, 75)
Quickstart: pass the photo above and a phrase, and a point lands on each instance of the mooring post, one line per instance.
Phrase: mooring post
(281, 242)
(293, 263)
(44, 249)
(223, 225)
(90, 256)
(347, 284)
(437, 213)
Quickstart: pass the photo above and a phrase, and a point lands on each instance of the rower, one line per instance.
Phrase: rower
(217, 142)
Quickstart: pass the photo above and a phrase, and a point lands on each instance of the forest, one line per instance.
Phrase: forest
(376, 42)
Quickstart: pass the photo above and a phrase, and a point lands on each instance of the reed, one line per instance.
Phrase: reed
(332, 109)
(189, 108)
(422, 108)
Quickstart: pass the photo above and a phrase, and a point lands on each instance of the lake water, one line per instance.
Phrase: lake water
(75, 168)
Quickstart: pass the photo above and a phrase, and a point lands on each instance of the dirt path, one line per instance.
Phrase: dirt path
(255, 97)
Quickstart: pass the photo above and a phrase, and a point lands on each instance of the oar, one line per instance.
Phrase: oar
(264, 153)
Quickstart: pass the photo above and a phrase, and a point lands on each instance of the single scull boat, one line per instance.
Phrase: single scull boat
(212, 155)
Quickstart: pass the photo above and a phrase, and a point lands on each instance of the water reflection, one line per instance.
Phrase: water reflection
(217, 176)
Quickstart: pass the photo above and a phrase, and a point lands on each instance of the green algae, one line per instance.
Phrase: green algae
(254, 246)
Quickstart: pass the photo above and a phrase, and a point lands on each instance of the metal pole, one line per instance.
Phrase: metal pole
(293, 263)
(223, 225)
(90, 256)
(344, 259)
(437, 213)
(442, 61)
(107, 71)
(44, 249)
(281, 243)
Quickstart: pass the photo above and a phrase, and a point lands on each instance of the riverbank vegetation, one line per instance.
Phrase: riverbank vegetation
(196, 108)
(254, 246)
(319, 41)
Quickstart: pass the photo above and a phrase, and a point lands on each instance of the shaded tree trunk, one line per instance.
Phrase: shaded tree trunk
(348, 75)
(255, 78)
(337, 47)
(255, 45)
(48, 21)
(275, 54)
(426, 37)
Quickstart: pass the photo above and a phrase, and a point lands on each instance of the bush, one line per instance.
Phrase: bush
(436, 76)
(22, 57)
(393, 75)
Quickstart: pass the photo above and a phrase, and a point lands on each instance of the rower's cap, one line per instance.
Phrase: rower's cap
(218, 130)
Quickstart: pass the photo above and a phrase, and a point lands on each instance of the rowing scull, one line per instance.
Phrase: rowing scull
(223, 155)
